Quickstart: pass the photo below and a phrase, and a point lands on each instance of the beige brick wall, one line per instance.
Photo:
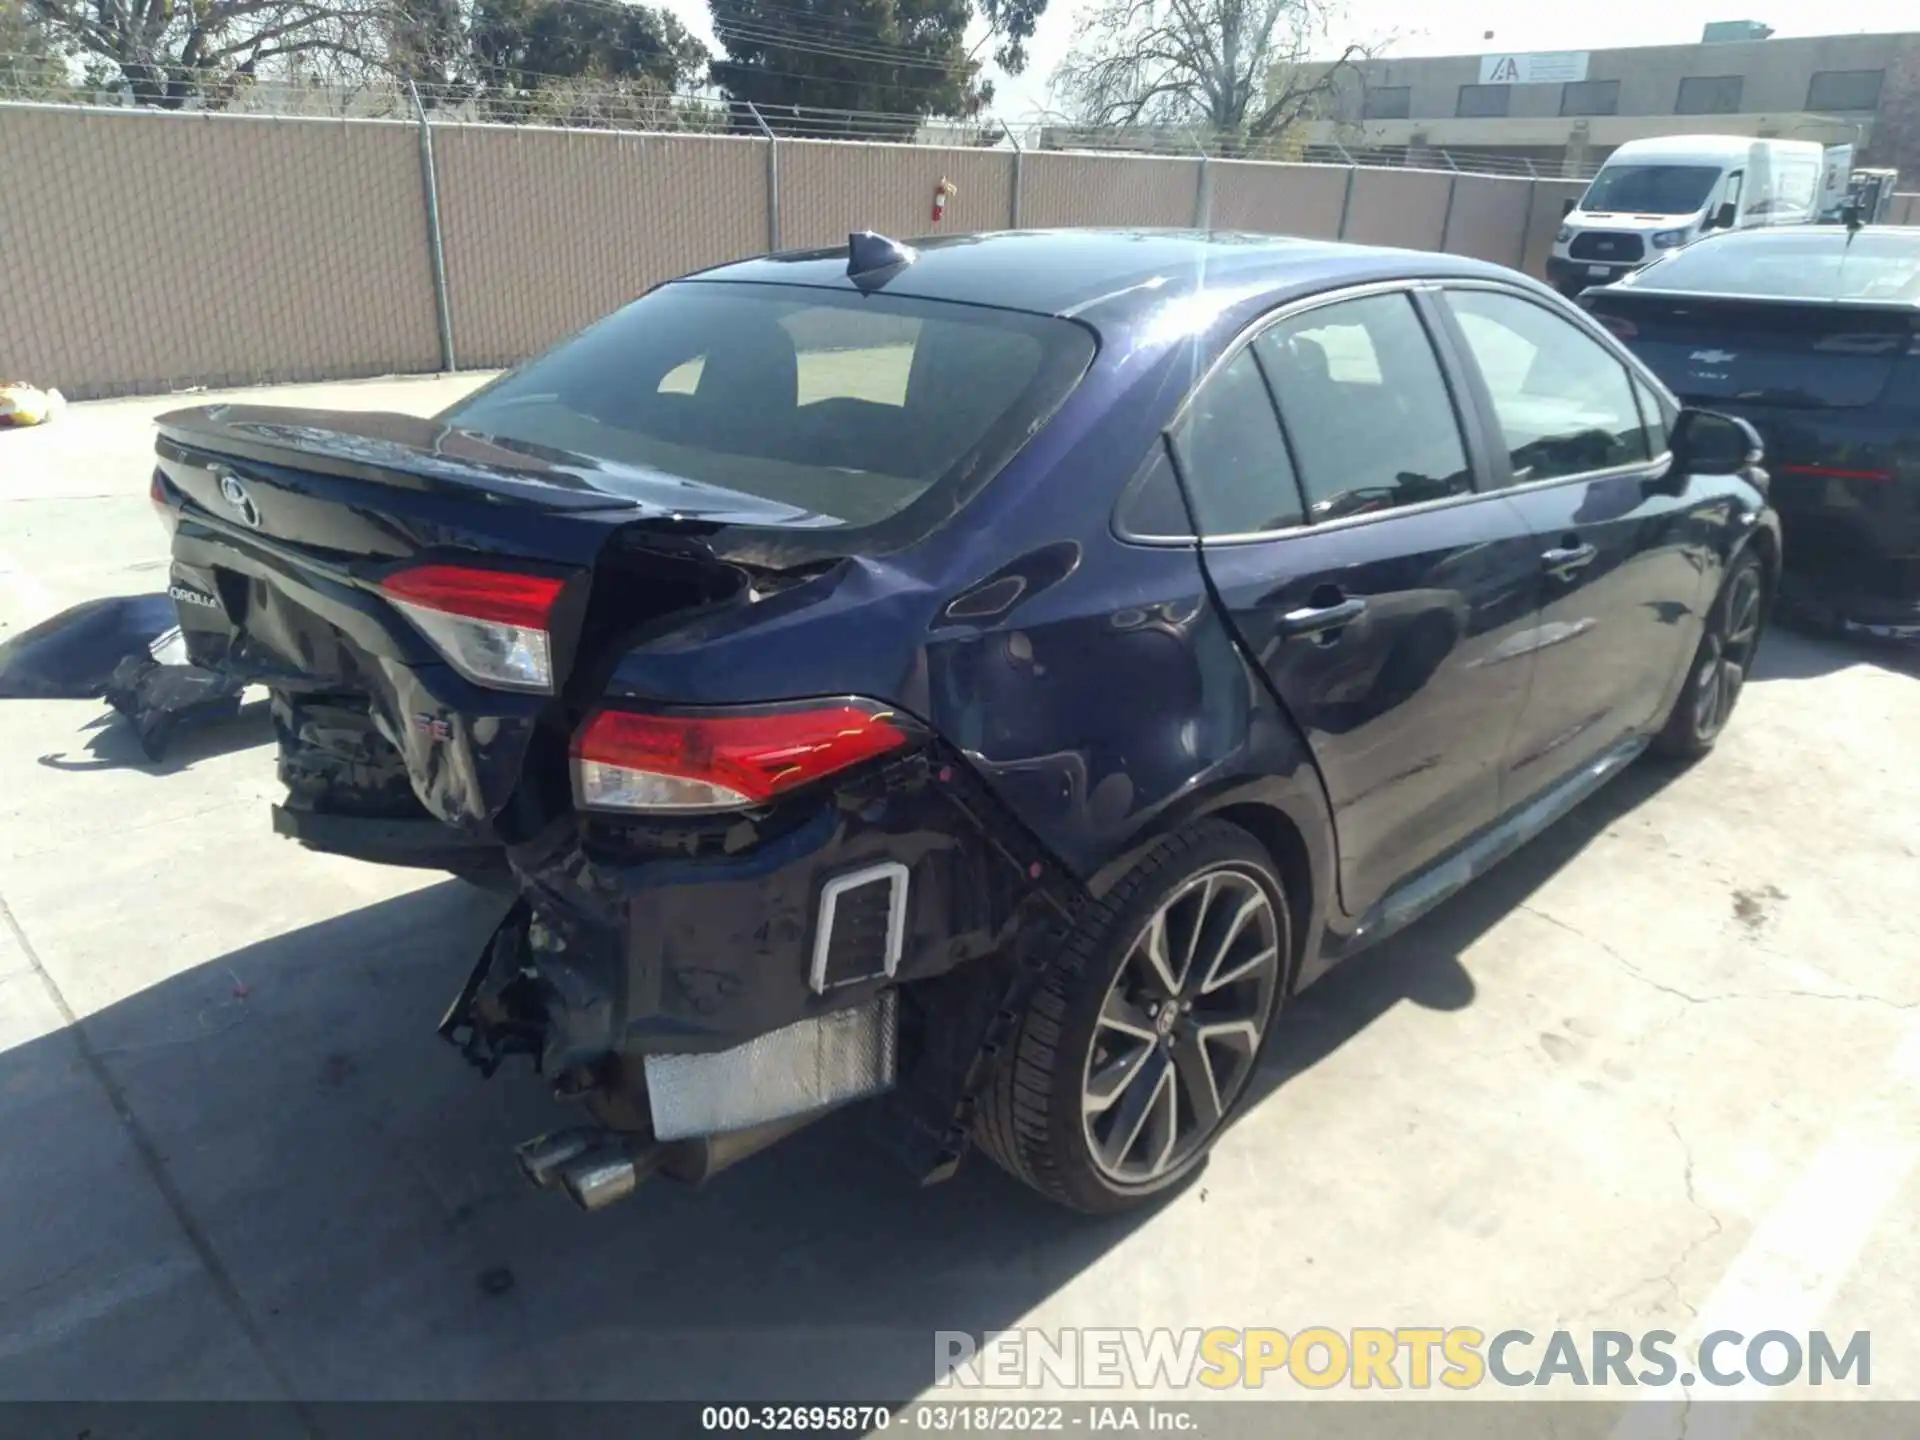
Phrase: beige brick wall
(1278, 199)
(1489, 216)
(1398, 207)
(148, 252)
(1058, 189)
(830, 187)
(545, 230)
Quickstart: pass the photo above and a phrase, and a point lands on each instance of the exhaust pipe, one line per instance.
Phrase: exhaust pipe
(542, 1157)
(598, 1168)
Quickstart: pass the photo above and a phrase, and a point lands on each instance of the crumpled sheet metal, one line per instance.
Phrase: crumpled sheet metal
(128, 651)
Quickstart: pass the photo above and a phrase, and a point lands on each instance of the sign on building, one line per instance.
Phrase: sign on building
(1542, 67)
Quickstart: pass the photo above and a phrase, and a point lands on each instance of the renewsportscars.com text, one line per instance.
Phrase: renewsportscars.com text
(1461, 1357)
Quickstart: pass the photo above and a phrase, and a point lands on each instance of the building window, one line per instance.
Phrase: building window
(1483, 100)
(1590, 97)
(1845, 90)
(1387, 102)
(1708, 95)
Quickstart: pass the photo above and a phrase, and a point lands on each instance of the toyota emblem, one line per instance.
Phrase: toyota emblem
(235, 494)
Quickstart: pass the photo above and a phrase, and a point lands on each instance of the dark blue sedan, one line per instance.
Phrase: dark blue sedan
(987, 676)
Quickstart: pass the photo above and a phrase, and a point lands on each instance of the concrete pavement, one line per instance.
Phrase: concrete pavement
(1661, 1069)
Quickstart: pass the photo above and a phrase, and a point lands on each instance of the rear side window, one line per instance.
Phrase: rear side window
(1238, 476)
(1365, 406)
(1564, 403)
(849, 408)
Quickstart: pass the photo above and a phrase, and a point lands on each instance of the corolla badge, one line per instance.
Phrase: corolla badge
(236, 495)
(1712, 357)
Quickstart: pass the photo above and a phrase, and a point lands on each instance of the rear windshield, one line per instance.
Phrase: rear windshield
(1650, 189)
(849, 406)
(1803, 265)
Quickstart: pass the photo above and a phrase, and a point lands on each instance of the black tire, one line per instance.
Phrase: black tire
(1038, 1120)
(1720, 665)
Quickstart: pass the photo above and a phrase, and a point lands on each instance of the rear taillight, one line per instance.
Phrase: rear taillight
(624, 760)
(493, 626)
(162, 506)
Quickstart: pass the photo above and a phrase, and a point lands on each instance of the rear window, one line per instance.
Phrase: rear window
(1649, 189)
(852, 408)
(1805, 265)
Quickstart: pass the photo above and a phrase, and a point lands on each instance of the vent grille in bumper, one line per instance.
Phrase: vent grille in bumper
(862, 926)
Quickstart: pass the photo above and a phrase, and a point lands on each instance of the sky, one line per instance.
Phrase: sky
(1412, 27)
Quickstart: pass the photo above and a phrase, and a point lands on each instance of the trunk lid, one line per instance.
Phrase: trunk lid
(1780, 353)
(293, 520)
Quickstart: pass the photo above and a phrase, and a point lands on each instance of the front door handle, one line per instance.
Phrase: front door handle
(1318, 619)
(1563, 560)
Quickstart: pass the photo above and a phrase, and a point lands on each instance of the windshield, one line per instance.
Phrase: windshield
(1650, 189)
(847, 406)
(1813, 264)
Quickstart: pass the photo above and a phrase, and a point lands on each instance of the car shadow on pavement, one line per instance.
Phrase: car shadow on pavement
(352, 1192)
(1422, 964)
(111, 743)
(1795, 655)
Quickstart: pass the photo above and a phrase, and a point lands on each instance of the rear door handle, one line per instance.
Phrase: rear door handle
(1562, 561)
(1317, 619)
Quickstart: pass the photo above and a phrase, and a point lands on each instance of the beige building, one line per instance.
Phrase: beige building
(1566, 111)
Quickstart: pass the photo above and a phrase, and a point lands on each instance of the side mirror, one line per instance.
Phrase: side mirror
(1710, 443)
(1726, 217)
(1567, 207)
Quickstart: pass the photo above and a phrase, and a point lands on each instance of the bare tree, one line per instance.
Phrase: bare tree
(168, 52)
(1240, 69)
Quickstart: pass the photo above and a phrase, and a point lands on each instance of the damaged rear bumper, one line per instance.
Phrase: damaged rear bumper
(690, 983)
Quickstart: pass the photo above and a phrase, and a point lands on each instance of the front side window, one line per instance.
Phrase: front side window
(1239, 478)
(1365, 406)
(848, 408)
(1565, 404)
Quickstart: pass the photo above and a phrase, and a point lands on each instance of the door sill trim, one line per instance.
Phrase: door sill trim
(1425, 889)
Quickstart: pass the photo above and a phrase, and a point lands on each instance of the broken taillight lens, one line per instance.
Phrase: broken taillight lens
(493, 626)
(626, 760)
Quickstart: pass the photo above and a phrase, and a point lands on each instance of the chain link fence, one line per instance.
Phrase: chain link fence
(150, 251)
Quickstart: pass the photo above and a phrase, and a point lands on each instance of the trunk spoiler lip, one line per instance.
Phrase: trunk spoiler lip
(415, 453)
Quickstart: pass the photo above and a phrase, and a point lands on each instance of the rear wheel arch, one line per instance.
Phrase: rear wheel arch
(1286, 816)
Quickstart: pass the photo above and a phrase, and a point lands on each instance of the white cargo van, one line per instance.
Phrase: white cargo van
(1656, 195)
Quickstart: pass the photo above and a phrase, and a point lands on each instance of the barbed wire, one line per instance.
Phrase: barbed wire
(511, 97)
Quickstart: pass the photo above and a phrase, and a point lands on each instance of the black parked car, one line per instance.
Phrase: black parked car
(991, 676)
(1813, 334)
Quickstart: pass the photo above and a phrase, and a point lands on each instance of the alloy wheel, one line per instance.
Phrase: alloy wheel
(1180, 1026)
(1726, 655)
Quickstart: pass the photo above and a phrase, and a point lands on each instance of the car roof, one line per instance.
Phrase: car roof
(1699, 147)
(1105, 276)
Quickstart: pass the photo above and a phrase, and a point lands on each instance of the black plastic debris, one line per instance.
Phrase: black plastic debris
(158, 699)
(73, 655)
(128, 651)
